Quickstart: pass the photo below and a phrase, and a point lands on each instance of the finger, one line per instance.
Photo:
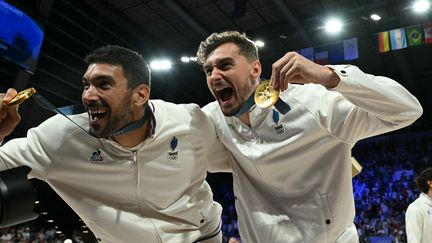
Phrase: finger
(286, 71)
(10, 94)
(276, 67)
(275, 74)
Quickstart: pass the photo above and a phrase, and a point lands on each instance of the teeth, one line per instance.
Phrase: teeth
(221, 88)
(96, 112)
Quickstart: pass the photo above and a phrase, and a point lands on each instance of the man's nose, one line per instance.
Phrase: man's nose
(216, 74)
(90, 94)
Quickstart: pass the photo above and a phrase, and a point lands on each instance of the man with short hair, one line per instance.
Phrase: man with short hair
(292, 161)
(134, 169)
(418, 217)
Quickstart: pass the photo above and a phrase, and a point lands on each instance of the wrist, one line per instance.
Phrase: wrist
(332, 79)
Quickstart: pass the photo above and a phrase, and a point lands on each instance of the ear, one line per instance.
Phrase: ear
(141, 95)
(256, 69)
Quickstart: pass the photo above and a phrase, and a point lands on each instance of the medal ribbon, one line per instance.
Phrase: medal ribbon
(280, 105)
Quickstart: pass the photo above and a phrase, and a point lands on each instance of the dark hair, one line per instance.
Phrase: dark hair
(247, 46)
(135, 68)
(422, 180)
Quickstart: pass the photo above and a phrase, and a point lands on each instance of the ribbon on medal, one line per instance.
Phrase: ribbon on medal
(264, 96)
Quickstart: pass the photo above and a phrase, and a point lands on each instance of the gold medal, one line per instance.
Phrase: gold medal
(265, 95)
(21, 96)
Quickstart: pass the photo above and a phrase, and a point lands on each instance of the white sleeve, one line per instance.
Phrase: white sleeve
(217, 154)
(36, 150)
(413, 222)
(368, 105)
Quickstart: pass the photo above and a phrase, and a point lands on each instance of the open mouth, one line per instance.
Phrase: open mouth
(225, 94)
(96, 114)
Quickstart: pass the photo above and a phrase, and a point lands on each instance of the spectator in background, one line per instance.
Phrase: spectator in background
(418, 217)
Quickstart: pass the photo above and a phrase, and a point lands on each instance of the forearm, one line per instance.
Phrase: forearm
(381, 97)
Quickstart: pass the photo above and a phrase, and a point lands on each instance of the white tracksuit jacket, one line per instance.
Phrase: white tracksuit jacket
(418, 220)
(292, 173)
(155, 192)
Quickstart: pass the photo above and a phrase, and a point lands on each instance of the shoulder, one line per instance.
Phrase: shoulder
(211, 107)
(61, 126)
(176, 117)
(174, 111)
(213, 111)
(415, 206)
(61, 122)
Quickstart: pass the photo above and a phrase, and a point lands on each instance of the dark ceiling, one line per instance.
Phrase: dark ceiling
(173, 28)
(176, 28)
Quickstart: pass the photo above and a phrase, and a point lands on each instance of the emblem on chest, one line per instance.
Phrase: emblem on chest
(278, 128)
(96, 156)
(173, 154)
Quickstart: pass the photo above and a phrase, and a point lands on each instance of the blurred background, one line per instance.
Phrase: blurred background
(43, 43)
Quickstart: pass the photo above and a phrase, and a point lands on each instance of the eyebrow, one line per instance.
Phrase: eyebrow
(100, 77)
(218, 61)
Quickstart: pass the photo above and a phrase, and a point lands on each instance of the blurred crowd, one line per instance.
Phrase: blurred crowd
(33, 233)
(386, 186)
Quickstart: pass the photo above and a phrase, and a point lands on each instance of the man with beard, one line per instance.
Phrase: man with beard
(292, 162)
(138, 174)
(418, 217)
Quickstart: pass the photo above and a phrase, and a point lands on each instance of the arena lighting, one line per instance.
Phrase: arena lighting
(17, 197)
(333, 26)
(161, 65)
(375, 17)
(185, 59)
(421, 6)
(259, 43)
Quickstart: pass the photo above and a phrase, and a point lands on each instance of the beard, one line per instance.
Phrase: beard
(230, 110)
(116, 120)
(234, 109)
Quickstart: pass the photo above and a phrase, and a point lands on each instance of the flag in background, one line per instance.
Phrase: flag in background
(415, 35)
(335, 53)
(350, 49)
(321, 57)
(308, 53)
(383, 42)
(398, 39)
(427, 27)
